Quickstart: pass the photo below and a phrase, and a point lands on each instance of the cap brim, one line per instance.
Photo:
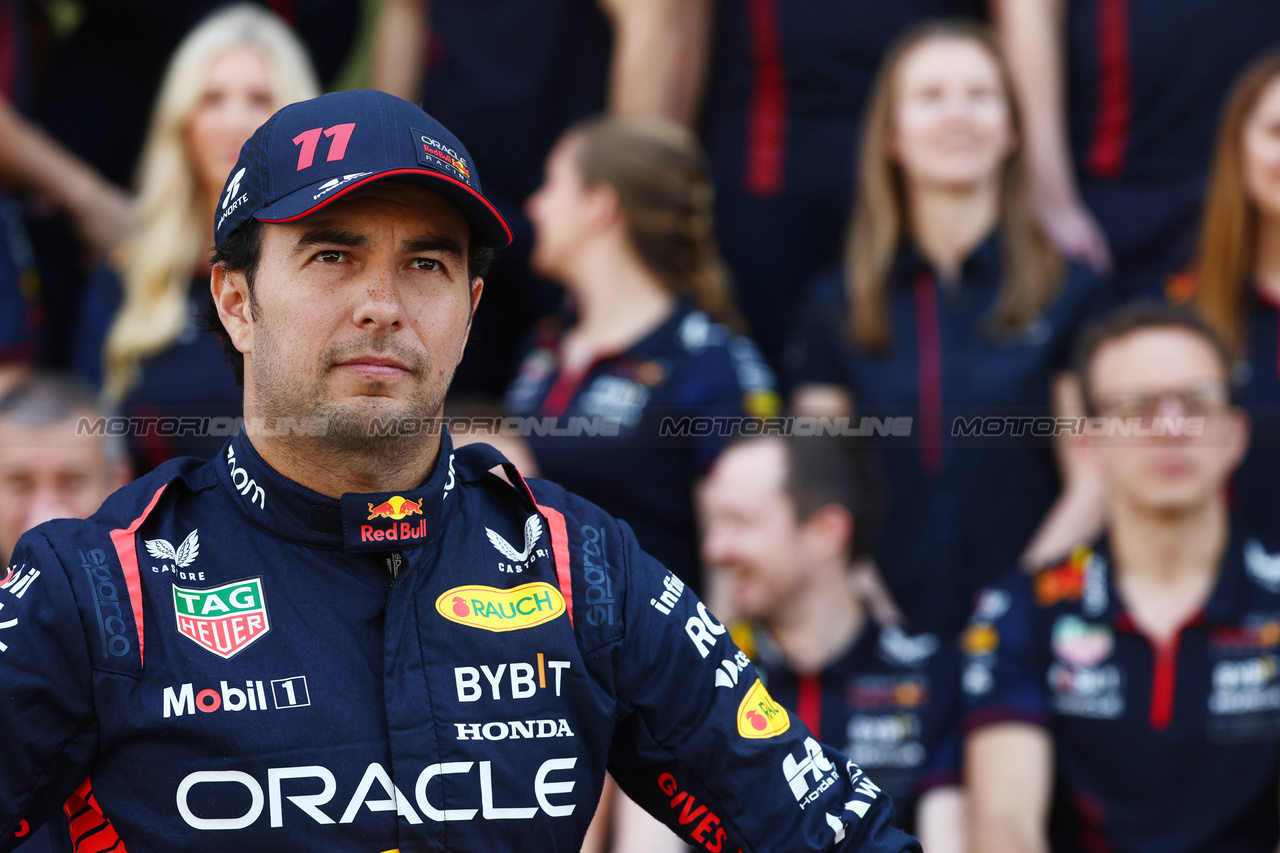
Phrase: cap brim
(488, 228)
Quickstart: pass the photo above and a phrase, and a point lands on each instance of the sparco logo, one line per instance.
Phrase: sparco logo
(375, 791)
(106, 604)
(245, 484)
(596, 571)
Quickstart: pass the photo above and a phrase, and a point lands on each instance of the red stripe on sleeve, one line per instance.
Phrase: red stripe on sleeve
(91, 830)
(767, 110)
(560, 552)
(1114, 110)
(127, 551)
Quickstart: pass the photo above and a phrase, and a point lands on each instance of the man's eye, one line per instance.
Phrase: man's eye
(427, 264)
(329, 257)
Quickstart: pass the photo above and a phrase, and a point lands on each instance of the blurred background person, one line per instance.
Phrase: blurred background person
(952, 303)
(1097, 689)
(1121, 99)
(139, 336)
(624, 221)
(786, 94)
(1236, 276)
(95, 74)
(511, 76)
(49, 468)
(788, 520)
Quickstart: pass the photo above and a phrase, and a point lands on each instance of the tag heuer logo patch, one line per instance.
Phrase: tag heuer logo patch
(224, 620)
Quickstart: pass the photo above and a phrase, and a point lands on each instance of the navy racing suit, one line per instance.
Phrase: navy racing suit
(221, 659)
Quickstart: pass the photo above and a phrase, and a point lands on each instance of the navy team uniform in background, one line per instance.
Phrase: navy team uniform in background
(1172, 747)
(1142, 117)
(689, 366)
(188, 379)
(961, 507)
(1258, 392)
(510, 76)
(786, 90)
(891, 702)
(258, 667)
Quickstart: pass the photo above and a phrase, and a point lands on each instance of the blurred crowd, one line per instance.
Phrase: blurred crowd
(935, 343)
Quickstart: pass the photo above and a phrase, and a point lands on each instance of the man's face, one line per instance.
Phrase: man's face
(361, 312)
(49, 472)
(752, 531)
(1156, 378)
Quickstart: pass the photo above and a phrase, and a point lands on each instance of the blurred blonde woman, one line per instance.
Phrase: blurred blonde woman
(139, 336)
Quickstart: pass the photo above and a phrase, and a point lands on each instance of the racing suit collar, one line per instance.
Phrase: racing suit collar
(356, 522)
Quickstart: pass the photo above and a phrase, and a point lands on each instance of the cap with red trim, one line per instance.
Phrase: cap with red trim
(312, 152)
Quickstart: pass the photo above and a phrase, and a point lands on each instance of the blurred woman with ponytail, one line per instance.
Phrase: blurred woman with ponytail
(139, 336)
(623, 220)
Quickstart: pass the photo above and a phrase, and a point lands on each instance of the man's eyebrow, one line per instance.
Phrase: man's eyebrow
(324, 235)
(435, 243)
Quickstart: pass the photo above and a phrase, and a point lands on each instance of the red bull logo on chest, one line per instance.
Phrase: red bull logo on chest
(224, 620)
(394, 508)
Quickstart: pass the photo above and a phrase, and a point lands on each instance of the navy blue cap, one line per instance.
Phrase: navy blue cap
(312, 152)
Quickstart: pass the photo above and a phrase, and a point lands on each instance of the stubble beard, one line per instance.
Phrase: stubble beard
(376, 432)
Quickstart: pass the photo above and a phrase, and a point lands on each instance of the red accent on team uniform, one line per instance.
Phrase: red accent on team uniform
(8, 51)
(766, 153)
(560, 553)
(562, 390)
(809, 703)
(1165, 673)
(1105, 158)
(91, 830)
(929, 358)
(127, 551)
(284, 8)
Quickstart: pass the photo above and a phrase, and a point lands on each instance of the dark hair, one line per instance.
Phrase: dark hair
(1137, 316)
(824, 470)
(241, 250)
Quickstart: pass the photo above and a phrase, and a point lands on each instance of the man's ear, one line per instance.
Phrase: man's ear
(231, 297)
(477, 288)
(830, 531)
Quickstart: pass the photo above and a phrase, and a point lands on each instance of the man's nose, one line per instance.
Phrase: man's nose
(46, 505)
(379, 306)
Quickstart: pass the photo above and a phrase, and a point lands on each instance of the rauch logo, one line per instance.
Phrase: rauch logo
(759, 716)
(501, 609)
(224, 620)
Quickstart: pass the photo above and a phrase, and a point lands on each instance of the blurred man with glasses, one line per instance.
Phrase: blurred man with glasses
(1129, 698)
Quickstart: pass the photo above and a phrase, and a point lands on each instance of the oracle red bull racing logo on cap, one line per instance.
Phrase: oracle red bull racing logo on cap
(224, 620)
(501, 610)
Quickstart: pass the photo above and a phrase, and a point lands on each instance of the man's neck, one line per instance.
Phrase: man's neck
(1166, 564)
(384, 467)
(817, 628)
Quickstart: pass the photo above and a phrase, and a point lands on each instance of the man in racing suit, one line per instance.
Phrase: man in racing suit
(319, 640)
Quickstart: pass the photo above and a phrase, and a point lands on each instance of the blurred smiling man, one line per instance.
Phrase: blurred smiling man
(1138, 679)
